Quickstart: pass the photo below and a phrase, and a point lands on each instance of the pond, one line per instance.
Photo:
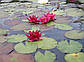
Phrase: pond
(32, 32)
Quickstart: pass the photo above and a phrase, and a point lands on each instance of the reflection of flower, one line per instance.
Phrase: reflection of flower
(34, 36)
(72, 0)
(33, 19)
(52, 16)
(44, 19)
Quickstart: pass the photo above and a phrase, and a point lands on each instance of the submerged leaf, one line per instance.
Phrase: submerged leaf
(69, 47)
(47, 57)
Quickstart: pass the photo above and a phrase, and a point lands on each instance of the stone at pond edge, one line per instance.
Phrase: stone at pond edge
(30, 47)
(69, 47)
(75, 34)
(47, 57)
(75, 57)
(15, 57)
(6, 48)
(16, 38)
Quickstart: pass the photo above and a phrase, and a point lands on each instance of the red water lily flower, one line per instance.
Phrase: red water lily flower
(51, 15)
(44, 20)
(72, 1)
(33, 19)
(34, 36)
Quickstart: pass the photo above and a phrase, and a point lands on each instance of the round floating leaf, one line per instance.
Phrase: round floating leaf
(20, 26)
(75, 57)
(27, 12)
(17, 38)
(63, 26)
(82, 1)
(47, 43)
(3, 39)
(12, 22)
(15, 57)
(75, 34)
(47, 57)
(50, 24)
(4, 31)
(26, 48)
(59, 12)
(74, 12)
(69, 47)
(3, 14)
(6, 48)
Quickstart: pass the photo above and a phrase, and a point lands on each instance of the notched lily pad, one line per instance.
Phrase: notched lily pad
(16, 38)
(15, 57)
(69, 47)
(75, 34)
(3, 39)
(63, 26)
(74, 12)
(75, 57)
(59, 12)
(47, 57)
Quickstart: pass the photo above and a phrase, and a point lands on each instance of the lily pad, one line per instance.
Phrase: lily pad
(75, 34)
(6, 48)
(63, 26)
(20, 26)
(75, 57)
(59, 12)
(4, 31)
(74, 12)
(47, 57)
(82, 1)
(3, 39)
(69, 47)
(25, 48)
(4, 14)
(12, 22)
(47, 43)
(15, 57)
(17, 38)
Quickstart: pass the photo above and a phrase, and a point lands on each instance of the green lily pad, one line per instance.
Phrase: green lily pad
(75, 57)
(27, 48)
(50, 24)
(47, 43)
(59, 12)
(4, 14)
(82, 1)
(20, 26)
(75, 34)
(4, 31)
(74, 12)
(63, 26)
(25, 20)
(69, 47)
(17, 38)
(27, 12)
(47, 57)
(15, 57)
(3, 39)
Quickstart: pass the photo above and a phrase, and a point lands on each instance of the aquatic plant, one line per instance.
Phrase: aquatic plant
(34, 35)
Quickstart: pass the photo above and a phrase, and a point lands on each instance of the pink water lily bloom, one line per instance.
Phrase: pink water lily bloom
(33, 19)
(34, 36)
(51, 15)
(44, 20)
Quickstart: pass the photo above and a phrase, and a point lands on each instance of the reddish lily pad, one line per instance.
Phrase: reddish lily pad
(20, 26)
(4, 31)
(69, 47)
(16, 38)
(6, 48)
(3, 39)
(47, 57)
(12, 22)
(15, 57)
(75, 34)
(75, 57)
